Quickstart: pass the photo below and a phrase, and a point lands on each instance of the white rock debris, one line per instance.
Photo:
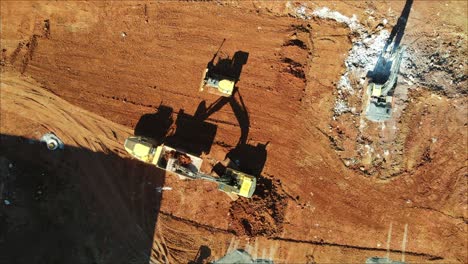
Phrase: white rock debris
(361, 58)
(326, 13)
(160, 189)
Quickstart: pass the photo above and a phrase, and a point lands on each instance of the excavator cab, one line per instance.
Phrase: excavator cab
(217, 84)
(220, 78)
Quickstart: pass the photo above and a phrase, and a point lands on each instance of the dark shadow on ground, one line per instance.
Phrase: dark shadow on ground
(192, 135)
(75, 205)
(381, 72)
(185, 132)
(155, 125)
(227, 66)
(399, 29)
(204, 252)
(246, 157)
(238, 107)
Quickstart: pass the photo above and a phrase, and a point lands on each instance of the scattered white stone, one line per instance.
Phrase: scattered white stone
(301, 12)
(344, 84)
(123, 34)
(6, 202)
(160, 189)
(362, 56)
(341, 107)
(362, 124)
(10, 165)
(326, 13)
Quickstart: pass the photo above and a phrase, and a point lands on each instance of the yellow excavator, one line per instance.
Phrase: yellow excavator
(188, 166)
(221, 78)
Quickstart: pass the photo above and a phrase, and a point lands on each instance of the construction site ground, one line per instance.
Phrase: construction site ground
(91, 72)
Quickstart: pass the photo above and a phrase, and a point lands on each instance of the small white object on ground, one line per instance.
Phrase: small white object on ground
(52, 141)
(6, 202)
(160, 189)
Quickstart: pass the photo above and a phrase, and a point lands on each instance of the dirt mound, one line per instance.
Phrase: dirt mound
(263, 215)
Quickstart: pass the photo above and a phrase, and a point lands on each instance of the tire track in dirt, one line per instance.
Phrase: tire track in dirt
(428, 257)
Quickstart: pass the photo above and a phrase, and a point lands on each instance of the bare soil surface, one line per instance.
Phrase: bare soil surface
(330, 182)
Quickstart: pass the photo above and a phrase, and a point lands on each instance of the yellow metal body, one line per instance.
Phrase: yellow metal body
(376, 90)
(145, 150)
(245, 186)
(226, 86)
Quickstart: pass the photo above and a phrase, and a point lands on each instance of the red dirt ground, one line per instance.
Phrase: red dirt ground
(89, 71)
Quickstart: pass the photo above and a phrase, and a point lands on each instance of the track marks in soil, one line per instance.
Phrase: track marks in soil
(125, 100)
(328, 244)
(26, 49)
(295, 53)
(193, 223)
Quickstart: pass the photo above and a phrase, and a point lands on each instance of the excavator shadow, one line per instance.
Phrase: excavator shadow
(191, 134)
(382, 70)
(204, 252)
(248, 158)
(244, 157)
(185, 132)
(227, 66)
(156, 125)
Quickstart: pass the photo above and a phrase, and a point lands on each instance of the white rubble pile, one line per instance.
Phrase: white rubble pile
(326, 13)
(341, 107)
(362, 56)
(361, 59)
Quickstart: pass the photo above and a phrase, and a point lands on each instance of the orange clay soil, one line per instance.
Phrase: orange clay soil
(92, 72)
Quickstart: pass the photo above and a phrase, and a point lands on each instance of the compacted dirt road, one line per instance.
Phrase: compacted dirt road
(96, 72)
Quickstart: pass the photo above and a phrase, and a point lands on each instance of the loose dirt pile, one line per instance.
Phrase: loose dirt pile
(263, 215)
